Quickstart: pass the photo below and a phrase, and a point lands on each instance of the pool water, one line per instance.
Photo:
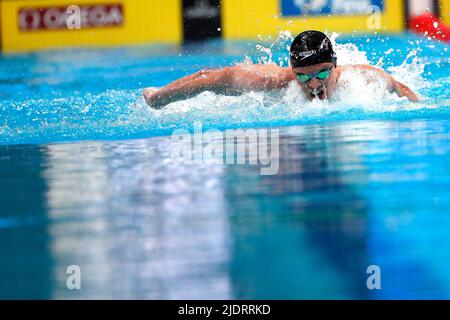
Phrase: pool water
(87, 178)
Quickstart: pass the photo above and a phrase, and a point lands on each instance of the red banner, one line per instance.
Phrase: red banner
(71, 17)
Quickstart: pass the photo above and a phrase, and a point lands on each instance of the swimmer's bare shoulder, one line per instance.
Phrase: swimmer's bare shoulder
(228, 80)
(399, 88)
(260, 77)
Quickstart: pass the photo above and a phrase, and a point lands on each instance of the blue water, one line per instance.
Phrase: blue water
(87, 178)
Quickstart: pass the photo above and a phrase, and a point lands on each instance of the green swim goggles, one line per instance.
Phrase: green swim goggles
(321, 75)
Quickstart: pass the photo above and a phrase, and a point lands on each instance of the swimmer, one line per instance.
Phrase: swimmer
(313, 66)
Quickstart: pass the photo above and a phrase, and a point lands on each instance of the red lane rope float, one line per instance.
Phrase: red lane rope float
(429, 25)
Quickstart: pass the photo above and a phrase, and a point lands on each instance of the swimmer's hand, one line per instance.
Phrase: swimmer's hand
(403, 90)
(150, 97)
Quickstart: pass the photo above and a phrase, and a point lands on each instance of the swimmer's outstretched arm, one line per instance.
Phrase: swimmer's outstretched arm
(216, 80)
(228, 80)
(399, 88)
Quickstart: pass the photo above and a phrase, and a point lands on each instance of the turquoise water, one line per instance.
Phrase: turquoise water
(87, 178)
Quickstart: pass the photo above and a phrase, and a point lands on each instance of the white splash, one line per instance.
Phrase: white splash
(410, 71)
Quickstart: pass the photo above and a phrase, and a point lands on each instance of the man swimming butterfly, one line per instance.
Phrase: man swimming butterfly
(313, 66)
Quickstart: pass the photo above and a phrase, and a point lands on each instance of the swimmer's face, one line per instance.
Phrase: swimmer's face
(316, 81)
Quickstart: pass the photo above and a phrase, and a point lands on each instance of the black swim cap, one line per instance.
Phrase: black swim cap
(311, 47)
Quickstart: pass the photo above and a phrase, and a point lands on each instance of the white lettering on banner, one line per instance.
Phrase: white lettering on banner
(202, 9)
(327, 7)
(350, 6)
(53, 18)
(314, 5)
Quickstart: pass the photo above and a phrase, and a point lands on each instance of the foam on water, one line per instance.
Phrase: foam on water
(117, 114)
